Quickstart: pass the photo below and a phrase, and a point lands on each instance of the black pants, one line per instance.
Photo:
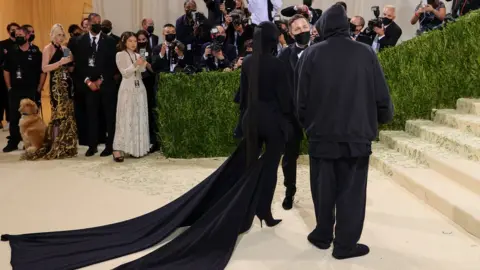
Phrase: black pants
(15, 96)
(79, 103)
(341, 184)
(4, 100)
(96, 101)
(150, 85)
(289, 164)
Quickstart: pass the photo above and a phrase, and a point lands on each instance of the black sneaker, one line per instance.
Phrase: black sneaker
(10, 148)
(357, 251)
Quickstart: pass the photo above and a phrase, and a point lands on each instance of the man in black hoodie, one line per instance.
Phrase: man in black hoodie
(342, 95)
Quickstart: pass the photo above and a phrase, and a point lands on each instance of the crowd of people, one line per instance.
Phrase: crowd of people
(96, 93)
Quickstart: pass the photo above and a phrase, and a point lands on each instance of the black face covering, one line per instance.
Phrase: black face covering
(170, 37)
(386, 21)
(353, 28)
(247, 53)
(307, 3)
(302, 38)
(96, 28)
(106, 30)
(31, 38)
(20, 40)
(142, 44)
(150, 29)
(12, 34)
(317, 39)
(220, 38)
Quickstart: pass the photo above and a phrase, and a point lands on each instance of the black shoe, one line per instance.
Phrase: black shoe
(91, 151)
(287, 202)
(120, 158)
(154, 148)
(318, 243)
(107, 152)
(10, 148)
(358, 251)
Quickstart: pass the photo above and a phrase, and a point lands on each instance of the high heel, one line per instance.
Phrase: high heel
(270, 222)
(121, 158)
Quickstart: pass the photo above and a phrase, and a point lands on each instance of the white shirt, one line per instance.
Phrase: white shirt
(259, 9)
(97, 38)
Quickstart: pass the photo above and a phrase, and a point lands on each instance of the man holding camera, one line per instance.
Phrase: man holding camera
(169, 56)
(306, 10)
(300, 30)
(387, 34)
(357, 23)
(218, 55)
(238, 30)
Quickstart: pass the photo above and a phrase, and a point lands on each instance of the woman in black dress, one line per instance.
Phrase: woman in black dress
(216, 211)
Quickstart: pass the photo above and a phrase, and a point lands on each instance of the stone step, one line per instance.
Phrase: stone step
(454, 201)
(454, 140)
(453, 166)
(468, 105)
(465, 122)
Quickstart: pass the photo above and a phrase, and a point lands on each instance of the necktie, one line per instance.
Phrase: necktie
(94, 44)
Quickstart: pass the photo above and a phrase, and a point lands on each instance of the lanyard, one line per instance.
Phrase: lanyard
(133, 62)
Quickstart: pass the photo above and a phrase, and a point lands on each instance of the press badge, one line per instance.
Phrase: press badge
(91, 62)
(29, 57)
(137, 84)
(189, 47)
(19, 73)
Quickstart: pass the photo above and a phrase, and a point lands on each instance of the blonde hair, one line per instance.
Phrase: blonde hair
(54, 31)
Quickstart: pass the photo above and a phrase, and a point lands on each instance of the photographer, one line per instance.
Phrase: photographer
(169, 56)
(357, 23)
(462, 7)
(429, 16)
(387, 32)
(238, 30)
(218, 55)
(193, 31)
(306, 10)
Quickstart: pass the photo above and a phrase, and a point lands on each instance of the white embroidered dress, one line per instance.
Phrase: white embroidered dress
(131, 128)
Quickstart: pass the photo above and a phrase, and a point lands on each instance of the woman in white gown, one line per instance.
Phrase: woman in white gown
(131, 129)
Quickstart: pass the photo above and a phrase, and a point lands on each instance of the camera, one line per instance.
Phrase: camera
(178, 44)
(238, 18)
(216, 44)
(377, 22)
(229, 5)
(198, 18)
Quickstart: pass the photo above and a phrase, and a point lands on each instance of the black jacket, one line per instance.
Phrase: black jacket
(229, 53)
(290, 12)
(342, 91)
(160, 64)
(392, 34)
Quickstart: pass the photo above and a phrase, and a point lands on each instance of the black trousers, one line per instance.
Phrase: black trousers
(289, 164)
(339, 184)
(15, 96)
(4, 99)
(150, 85)
(80, 108)
(104, 100)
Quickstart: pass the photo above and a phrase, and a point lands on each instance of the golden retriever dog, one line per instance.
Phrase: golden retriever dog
(32, 127)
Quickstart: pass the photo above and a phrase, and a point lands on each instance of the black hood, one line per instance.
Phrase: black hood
(268, 33)
(333, 22)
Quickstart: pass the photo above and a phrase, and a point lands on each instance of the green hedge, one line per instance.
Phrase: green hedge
(197, 114)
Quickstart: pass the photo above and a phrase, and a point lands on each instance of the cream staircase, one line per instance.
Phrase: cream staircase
(438, 161)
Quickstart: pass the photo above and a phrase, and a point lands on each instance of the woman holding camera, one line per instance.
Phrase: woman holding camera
(131, 128)
(429, 16)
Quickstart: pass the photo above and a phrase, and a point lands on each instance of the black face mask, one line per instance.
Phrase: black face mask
(220, 38)
(12, 34)
(302, 38)
(189, 12)
(353, 27)
(96, 28)
(31, 38)
(170, 37)
(76, 34)
(307, 3)
(142, 44)
(316, 40)
(150, 29)
(106, 30)
(248, 53)
(386, 21)
(20, 40)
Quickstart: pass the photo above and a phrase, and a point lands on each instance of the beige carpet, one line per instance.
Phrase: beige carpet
(403, 233)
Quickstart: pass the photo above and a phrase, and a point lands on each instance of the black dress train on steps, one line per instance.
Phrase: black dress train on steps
(215, 211)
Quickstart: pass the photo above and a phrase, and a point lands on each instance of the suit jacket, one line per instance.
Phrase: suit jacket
(154, 41)
(247, 34)
(115, 38)
(392, 34)
(105, 62)
(290, 12)
(163, 64)
(229, 53)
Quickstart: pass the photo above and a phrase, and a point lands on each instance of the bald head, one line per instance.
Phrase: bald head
(389, 12)
(146, 22)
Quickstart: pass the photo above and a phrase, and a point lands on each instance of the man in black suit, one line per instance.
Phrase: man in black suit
(94, 54)
(218, 54)
(357, 23)
(306, 10)
(107, 30)
(149, 26)
(388, 35)
(300, 30)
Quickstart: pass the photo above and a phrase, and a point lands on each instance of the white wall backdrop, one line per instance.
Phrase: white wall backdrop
(127, 14)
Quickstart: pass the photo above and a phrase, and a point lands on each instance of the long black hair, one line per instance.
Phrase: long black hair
(265, 39)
